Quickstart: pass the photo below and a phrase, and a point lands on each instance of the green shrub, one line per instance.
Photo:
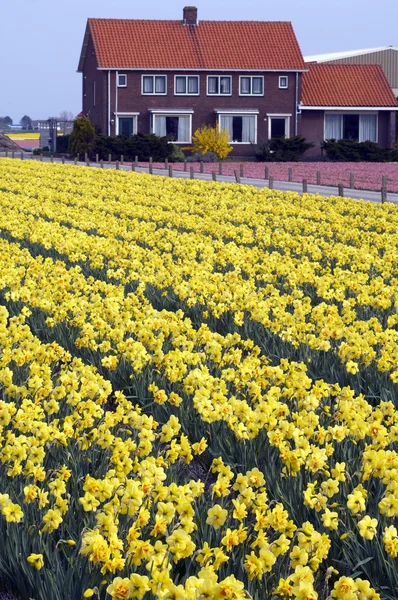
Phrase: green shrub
(352, 151)
(82, 137)
(141, 145)
(282, 149)
(177, 154)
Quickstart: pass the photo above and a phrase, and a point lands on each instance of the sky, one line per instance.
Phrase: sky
(40, 40)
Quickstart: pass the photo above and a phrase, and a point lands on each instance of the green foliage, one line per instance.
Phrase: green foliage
(82, 137)
(143, 146)
(282, 149)
(352, 151)
(177, 155)
(211, 139)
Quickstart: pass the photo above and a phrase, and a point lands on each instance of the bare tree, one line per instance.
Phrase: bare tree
(66, 115)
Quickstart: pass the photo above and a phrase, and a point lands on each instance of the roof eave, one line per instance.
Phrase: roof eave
(298, 70)
(332, 107)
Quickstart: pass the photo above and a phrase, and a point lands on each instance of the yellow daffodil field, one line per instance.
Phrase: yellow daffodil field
(198, 390)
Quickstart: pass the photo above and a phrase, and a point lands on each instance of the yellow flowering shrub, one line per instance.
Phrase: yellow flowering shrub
(198, 389)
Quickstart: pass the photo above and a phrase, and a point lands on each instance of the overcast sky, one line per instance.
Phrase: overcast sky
(40, 40)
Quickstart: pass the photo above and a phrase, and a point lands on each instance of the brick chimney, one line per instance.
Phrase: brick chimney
(190, 15)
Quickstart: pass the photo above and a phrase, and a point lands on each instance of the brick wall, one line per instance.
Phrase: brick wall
(130, 99)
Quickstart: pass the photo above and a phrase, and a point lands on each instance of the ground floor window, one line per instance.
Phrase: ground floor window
(127, 125)
(351, 126)
(241, 128)
(278, 126)
(176, 127)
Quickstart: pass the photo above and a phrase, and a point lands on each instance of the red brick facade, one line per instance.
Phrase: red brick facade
(105, 103)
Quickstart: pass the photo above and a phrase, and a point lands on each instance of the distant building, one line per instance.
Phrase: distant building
(386, 56)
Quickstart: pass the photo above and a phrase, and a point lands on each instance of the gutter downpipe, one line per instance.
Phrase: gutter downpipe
(296, 107)
(109, 103)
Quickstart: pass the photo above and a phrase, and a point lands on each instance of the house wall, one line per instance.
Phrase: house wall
(312, 128)
(94, 105)
(130, 99)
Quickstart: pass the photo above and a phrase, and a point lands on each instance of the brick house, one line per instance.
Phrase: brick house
(171, 77)
(347, 101)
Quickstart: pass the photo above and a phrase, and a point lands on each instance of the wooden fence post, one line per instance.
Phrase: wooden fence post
(136, 161)
(52, 158)
(318, 178)
(102, 163)
(97, 158)
(271, 182)
(117, 165)
(133, 166)
(41, 157)
(21, 155)
(185, 164)
(290, 174)
(220, 168)
(191, 173)
(242, 170)
(13, 154)
(166, 163)
(121, 159)
(109, 158)
(88, 161)
(6, 153)
(214, 176)
(305, 186)
(63, 159)
(352, 181)
(201, 167)
(383, 195)
(75, 159)
(266, 172)
(170, 170)
(341, 189)
(237, 176)
(384, 181)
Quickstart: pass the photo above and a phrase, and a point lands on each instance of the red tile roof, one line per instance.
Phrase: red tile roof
(346, 85)
(153, 44)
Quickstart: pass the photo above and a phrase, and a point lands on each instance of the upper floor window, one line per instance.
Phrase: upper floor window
(186, 85)
(154, 84)
(251, 86)
(121, 80)
(219, 85)
(283, 82)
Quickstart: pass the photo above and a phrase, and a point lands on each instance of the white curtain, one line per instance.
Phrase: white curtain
(160, 84)
(193, 85)
(148, 84)
(367, 128)
(333, 127)
(257, 85)
(248, 129)
(226, 122)
(181, 83)
(225, 85)
(212, 84)
(160, 125)
(183, 129)
(245, 85)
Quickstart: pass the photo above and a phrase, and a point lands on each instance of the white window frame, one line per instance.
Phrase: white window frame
(233, 113)
(351, 112)
(129, 115)
(283, 87)
(219, 87)
(153, 93)
(173, 113)
(121, 85)
(286, 116)
(186, 86)
(251, 77)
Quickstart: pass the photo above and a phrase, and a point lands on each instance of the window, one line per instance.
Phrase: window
(219, 85)
(121, 80)
(251, 86)
(283, 82)
(154, 84)
(351, 126)
(126, 125)
(278, 126)
(241, 128)
(175, 127)
(186, 85)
